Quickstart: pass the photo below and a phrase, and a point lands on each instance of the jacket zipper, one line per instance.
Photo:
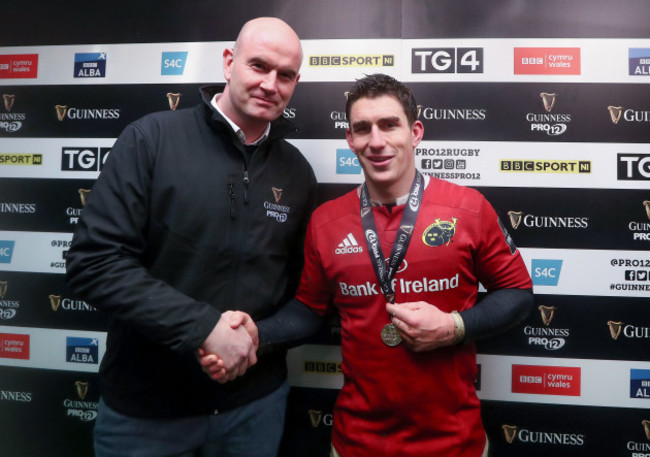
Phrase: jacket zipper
(246, 181)
(231, 192)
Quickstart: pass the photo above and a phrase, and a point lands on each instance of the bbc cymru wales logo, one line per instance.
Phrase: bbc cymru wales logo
(546, 380)
(547, 61)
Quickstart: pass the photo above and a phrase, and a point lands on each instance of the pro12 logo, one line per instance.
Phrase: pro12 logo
(447, 60)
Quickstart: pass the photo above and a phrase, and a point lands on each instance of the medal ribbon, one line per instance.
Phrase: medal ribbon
(386, 274)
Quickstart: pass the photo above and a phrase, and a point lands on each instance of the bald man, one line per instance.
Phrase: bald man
(198, 214)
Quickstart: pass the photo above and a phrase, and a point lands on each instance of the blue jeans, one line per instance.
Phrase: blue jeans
(252, 430)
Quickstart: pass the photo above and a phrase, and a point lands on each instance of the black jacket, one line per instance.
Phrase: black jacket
(182, 224)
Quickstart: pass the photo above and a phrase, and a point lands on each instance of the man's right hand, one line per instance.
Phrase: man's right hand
(230, 349)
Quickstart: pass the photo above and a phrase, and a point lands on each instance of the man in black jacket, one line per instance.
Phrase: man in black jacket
(197, 213)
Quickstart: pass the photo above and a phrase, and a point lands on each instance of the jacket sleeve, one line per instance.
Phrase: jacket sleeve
(104, 263)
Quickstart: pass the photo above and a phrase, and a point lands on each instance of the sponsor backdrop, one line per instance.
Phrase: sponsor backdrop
(542, 106)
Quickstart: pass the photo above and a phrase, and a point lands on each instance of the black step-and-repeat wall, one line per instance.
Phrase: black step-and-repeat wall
(542, 106)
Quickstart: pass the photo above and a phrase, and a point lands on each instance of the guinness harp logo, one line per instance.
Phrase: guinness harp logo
(615, 329)
(365, 211)
(510, 432)
(82, 389)
(419, 111)
(173, 100)
(407, 229)
(83, 195)
(615, 113)
(547, 313)
(55, 302)
(3, 288)
(647, 207)
(315, 417)
(548, 100)
(60, 111)
(646, 428)
(515, 218)
(9, 101)
(277, 194)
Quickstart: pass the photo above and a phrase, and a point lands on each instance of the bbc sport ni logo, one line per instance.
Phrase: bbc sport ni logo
(6, 251)
(173, 63)
(545, 272)
(347, 163)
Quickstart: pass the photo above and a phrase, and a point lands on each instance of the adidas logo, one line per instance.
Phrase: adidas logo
(349, 245)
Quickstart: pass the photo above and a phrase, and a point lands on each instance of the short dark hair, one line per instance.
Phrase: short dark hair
(372, 86)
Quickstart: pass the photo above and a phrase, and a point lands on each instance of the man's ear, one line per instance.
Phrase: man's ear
(348, 136)
(418, 132)
(227, 63)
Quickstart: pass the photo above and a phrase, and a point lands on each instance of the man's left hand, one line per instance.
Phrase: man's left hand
(422, 326)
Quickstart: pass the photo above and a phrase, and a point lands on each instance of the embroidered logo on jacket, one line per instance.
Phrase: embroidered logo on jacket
(439, 233)
(274, 210)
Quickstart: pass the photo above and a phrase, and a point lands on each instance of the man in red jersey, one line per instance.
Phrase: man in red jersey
(400, 259)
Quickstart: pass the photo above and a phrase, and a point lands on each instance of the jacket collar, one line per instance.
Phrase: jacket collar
(280, 128)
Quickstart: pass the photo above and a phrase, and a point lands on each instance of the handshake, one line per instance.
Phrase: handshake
(230, 349)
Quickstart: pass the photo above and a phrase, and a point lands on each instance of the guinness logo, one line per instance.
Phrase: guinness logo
(55, 302)
(615, 329)
(510, 432)
(277, 194)
(408, 229)
(547, 313)
(615, 113)
(315, 416)
(9, 101)
(173, 100)
(646, 428)
(365, 211)
(419, 111)
(515, 218)
(60, 111)
(647, 207)
(82, 389)
(548, 100)
(3, 288)
(83, 195)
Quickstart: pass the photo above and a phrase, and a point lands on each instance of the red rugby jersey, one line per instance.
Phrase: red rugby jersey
(395, 402)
